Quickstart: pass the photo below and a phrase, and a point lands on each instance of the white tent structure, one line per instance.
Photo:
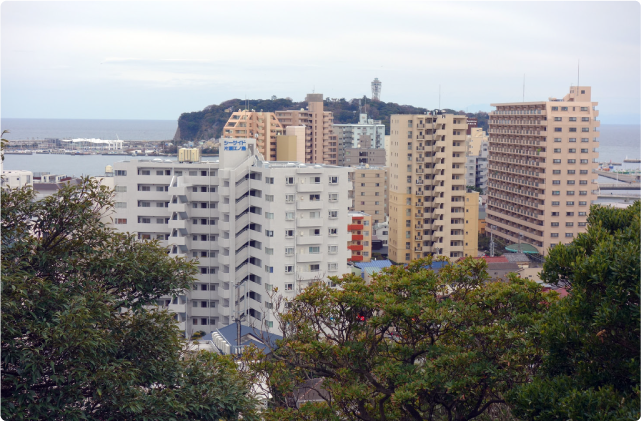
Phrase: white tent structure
(93, 144)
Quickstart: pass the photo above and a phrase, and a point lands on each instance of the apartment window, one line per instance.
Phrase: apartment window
(570, 203)
(555, 214)
(407, 256)
(289, 216)
(289, 251)
(572, 129)
(269, 198)
(269, 180)
(584, 108)
(585, 139)
(269, 215)
(333, 214)
(269, 269)
(584, 151)
(333, 180)
(571, 171)
(314, 268)
(178, 173)
(160, 188)
(332, 267)
(121, 205)
(570, 192)
(314, 197)
(585, 129)
(583, 203)
(556, 193)
(333, 231)
(571, 181)
(144, 220)
(555, 108)
(144, 188)
(332, 249)
(289, 180)
(583, 193)
(269, 251)
(289, 268)
(121, 221)
(314, 250)
(120, 173)
(558, 129)
(314, 215)
(269, 233)
(160, 221)
(554, 234)
(193, 173)
(564, 108)
(584, 161)
(569, 224)
(557, 139)
(582, 213)
(289, 198)
(572, 150)
(120, 189)
(556, 161)
(362, 193)
(583, 172)
(289, 233)
(315, 180)
(555, 203)
(408, 234)
(556, 181)
(569, 234)
(571, 161)
(146, 204)
(558, 118)
(556, 171)
(289, 287)
(572, 140)
(583, 224)
(314, 232)
(572, 118)
(333, 197)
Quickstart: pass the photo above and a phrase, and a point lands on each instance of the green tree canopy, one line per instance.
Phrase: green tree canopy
(591, 365)
(78, 339)
(412, 345)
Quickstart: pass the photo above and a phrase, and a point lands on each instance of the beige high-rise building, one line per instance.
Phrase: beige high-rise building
(370, 192)
(427, 186)
(471, 236)
(262, 126)
(321, 145)
(541, 162)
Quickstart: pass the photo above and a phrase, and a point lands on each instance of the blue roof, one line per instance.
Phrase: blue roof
(231, 335)
(374, 264)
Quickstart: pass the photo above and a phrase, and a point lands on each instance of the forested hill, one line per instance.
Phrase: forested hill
(208, 123)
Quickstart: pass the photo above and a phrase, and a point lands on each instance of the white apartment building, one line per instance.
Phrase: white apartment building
(349, 135)
(251, 225)
(16, 178)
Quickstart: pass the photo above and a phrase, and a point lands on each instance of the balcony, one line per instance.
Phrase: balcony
(355, 247)
(309, 258)
(355, 227)
(309, 222)
(357, 237)
(356, 258)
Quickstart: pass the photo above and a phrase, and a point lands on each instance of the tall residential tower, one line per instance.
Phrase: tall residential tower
(542, 157)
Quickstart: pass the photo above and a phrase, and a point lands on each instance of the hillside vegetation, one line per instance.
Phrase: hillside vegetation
(208, 123)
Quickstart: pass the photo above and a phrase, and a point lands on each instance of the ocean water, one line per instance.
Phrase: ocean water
(41, 128)
(616, 142)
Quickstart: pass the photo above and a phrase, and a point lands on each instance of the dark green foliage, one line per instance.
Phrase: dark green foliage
(591, 370)
(209, 123)
(431, 347)
(69, 348)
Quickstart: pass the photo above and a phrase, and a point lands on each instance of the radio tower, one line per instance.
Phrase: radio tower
(376, 90)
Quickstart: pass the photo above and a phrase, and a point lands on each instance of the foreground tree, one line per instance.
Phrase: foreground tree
(412, 345)
(591, 365)
(70, 350)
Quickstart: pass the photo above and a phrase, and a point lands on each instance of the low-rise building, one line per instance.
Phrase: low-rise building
(16, 178)
(360, 242)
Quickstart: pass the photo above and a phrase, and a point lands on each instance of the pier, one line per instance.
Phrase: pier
(626, 178)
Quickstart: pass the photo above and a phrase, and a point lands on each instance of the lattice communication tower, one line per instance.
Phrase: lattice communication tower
(376, 89)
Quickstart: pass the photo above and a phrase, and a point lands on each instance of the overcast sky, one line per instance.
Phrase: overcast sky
(155, 60)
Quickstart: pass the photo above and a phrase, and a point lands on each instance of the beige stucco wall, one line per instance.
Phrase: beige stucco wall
(286, 148)
(471, 236)
(370, 192)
